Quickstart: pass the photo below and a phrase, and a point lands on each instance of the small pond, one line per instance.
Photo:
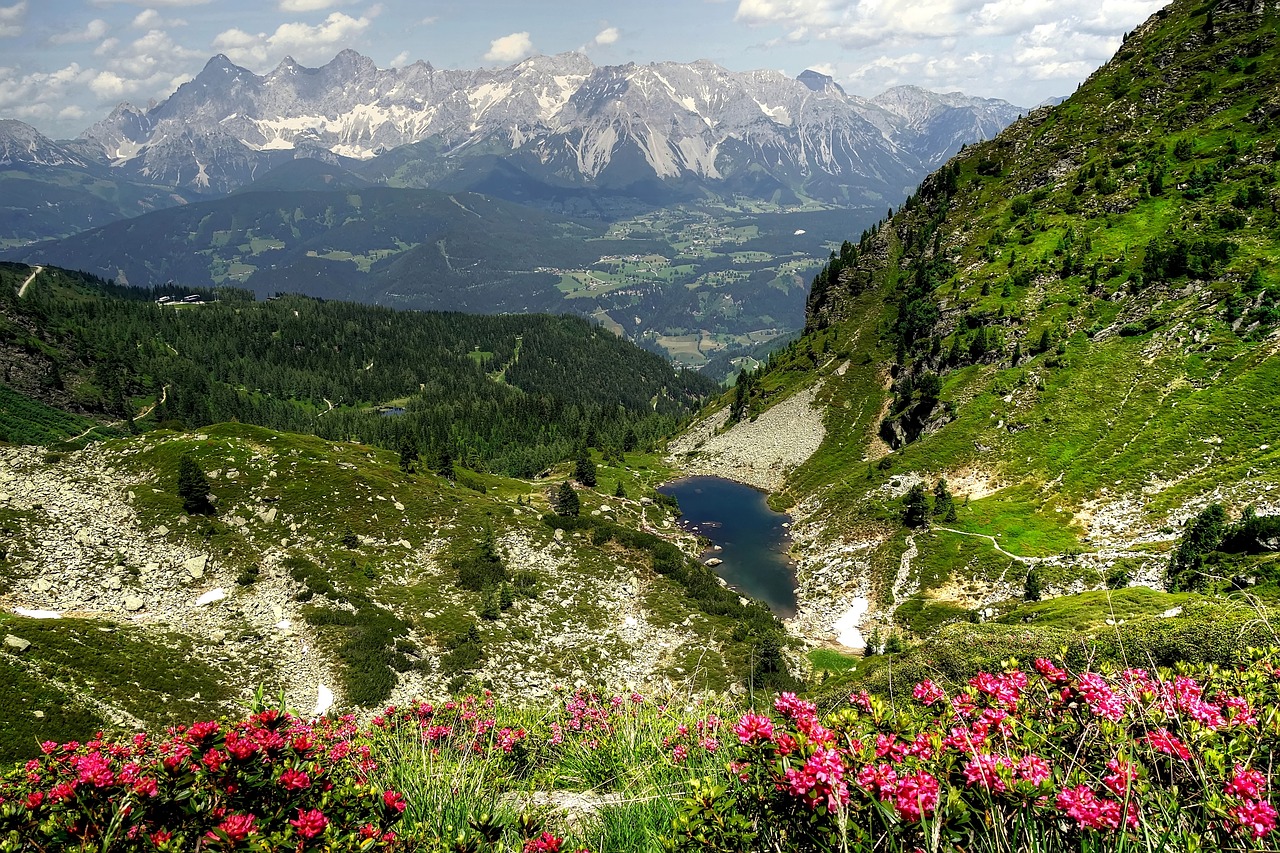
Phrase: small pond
(753, 539)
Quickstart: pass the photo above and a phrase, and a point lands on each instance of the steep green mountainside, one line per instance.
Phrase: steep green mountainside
(512, 394)
(1074, 325)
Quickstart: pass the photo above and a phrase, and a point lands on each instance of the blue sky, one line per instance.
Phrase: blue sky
(65, 63)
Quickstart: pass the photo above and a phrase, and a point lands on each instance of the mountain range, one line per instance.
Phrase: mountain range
(662, 130)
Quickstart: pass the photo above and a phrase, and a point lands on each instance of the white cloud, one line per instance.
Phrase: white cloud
(164, 4)
(510, 48)
(306, 5)
(401, 59)
(150, 19)
(33, 95)
(92, 31)
(107, 47)
(12, 19)
(71, 113)
(609, 35)
(302, 41)
(109, 85)
(953, 43)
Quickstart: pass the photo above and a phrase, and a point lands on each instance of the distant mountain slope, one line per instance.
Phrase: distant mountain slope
(51, 190)
(1074, 324)
(415, 248)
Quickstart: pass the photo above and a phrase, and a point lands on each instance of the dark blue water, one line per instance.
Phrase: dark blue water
(751, 536)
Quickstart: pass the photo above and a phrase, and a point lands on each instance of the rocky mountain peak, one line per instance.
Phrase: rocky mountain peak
(819, 82)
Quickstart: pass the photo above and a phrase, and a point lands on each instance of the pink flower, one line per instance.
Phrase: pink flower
(1257, 817)
(754, 728)
(1048, 670)
(917, 796)
(310, 823)
(1033, 769)
(880, 780)
(984, 770)
(1162, 740)
(926, 692)
(545, 843)
(393, 800)
(236, 828)
(1122, 774)
(1247, 783)
(679, 754)
(293, 779)
(93, 769)
(790, 707)
(1241, 713)
(1090, 811)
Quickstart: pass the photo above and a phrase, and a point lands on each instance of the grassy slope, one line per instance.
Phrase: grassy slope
(1146, 394)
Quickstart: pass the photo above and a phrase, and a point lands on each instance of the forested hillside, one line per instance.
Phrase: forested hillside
(510, 394)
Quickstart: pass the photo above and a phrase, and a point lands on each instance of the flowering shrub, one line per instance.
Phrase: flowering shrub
(271, 782)
(1044, 759)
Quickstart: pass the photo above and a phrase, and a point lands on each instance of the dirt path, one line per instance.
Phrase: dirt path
(994, 544)
(22, 291)
(164, 395)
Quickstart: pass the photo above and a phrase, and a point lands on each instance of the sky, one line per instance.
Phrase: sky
(65, 64)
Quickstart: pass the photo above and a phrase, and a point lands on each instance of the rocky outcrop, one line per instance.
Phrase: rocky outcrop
(760, 452)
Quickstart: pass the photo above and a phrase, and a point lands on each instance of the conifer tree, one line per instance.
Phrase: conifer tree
(915, 507)
(1031, 590)
(564, 501)
(584, 470)
(193, 486)
(944, 505)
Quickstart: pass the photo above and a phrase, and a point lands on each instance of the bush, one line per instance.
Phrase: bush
(482, 567)
(270, 782)
(1090, 760)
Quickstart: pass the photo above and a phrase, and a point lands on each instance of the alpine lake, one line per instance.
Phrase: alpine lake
(752, 539)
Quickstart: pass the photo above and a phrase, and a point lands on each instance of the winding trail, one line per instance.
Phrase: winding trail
(22, 291)
(164, 395)
(994, 544)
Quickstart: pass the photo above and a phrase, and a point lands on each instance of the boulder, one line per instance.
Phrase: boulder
(133, 604)
(196, 566)
(16, 644)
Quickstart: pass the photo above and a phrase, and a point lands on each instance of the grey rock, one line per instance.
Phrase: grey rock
(133, 604)
(16, 644)
(196, 566)
(162, 531)
(267, 515)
